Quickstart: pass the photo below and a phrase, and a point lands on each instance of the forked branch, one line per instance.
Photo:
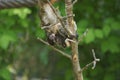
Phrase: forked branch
(92, 63)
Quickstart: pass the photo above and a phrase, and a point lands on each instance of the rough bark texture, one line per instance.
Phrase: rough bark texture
(75, 62)
(74, 46)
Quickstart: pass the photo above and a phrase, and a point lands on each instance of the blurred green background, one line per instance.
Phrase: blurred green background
(23, 57)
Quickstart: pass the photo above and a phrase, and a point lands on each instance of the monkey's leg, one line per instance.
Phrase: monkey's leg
(67, 42)
(70, 40)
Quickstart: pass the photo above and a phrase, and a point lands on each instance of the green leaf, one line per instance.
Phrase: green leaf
(106, 30)
(5, 40)
(24, 23)
(110, 44)
(82, 26)
(5, 74)
(109, 21)
(115, 25)
(22, 13)
(99, 33)
(90, 37)
(83, 23)
(10, 22)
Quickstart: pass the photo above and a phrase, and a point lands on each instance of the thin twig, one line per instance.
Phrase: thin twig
(75, 1)
(92, 63)
(95, 59)
(84, 34)
(58, 50)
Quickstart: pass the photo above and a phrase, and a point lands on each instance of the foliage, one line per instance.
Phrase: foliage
(19, 29)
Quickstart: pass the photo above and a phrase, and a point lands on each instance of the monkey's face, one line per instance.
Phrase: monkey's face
(51, 38)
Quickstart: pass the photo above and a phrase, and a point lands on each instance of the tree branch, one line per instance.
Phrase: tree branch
(74, 46)
(58, 50)
(92, 63)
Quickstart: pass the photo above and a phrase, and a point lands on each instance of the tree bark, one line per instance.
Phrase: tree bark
(75, 62)
(74, 46)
